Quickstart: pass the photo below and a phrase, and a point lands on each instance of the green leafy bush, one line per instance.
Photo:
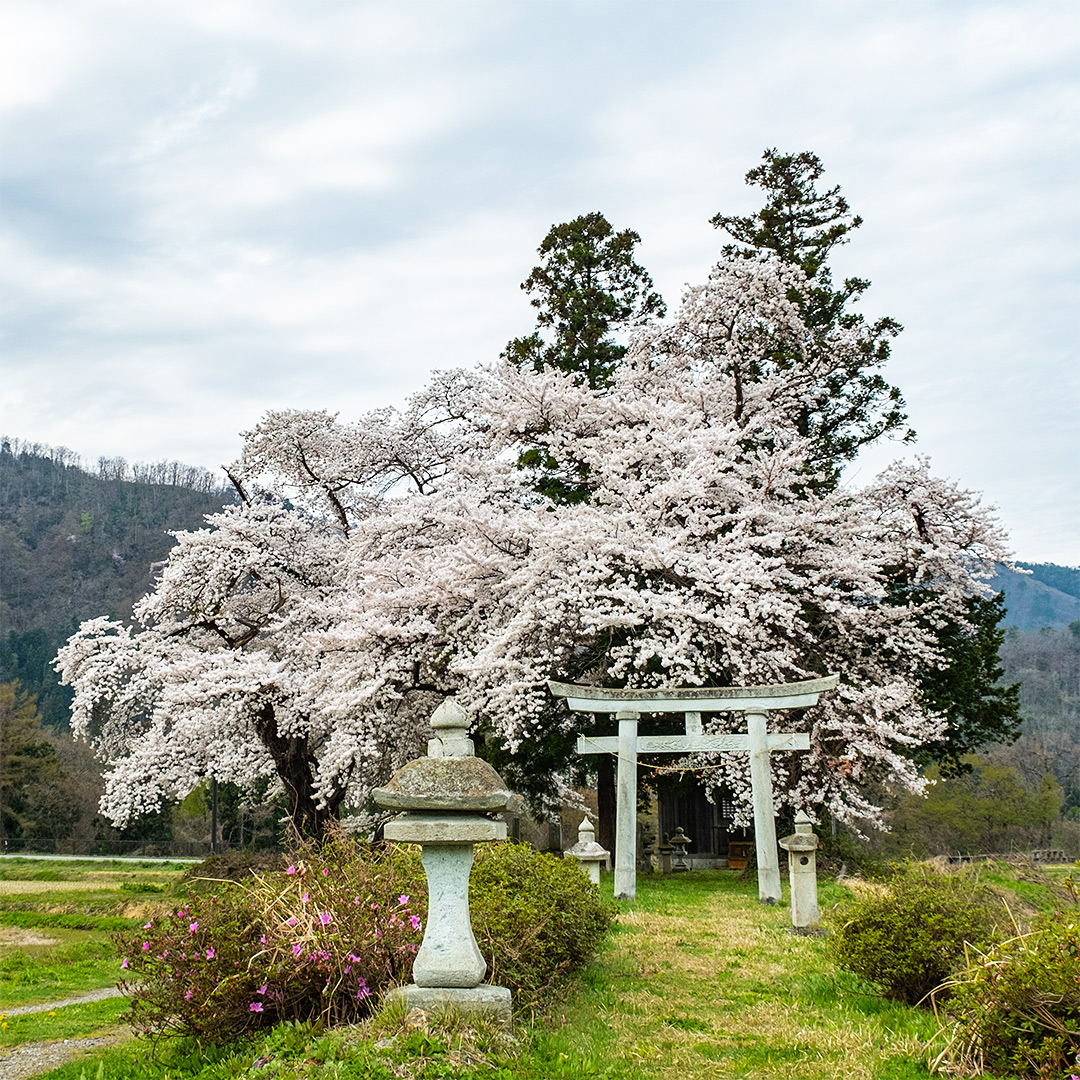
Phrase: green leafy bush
(321, 939)
(537, 918)
(1017, 1008)
(909, 935)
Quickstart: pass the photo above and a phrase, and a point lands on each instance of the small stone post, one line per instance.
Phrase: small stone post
(445, 798)
(802, 873)
(587, 851)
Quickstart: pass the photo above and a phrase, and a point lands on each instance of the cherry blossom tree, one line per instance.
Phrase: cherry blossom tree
(704, 553)
(416, 557)
(216, 680)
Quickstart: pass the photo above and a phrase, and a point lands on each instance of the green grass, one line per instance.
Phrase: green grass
(49, 973)
(44, 919)
(697, 980)
(70, 1022)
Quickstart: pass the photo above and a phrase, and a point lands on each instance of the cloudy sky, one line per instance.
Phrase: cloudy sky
(217, 207)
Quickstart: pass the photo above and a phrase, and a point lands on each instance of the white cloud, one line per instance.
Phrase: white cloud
(218, 207)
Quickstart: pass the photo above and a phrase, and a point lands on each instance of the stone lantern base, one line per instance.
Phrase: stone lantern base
(489, 1001)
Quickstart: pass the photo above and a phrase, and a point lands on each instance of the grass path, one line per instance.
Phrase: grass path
(701, 980)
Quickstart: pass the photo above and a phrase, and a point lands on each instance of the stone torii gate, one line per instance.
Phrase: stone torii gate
(753, 701)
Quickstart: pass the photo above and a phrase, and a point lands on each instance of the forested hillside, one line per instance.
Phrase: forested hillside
(1046, 663)
(1047, 596)
(76, 543)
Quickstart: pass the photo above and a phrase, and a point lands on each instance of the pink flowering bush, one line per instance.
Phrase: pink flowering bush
(339, 925)
(320, 939)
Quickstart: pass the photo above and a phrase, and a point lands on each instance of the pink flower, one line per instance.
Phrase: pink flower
(415, 920)
(210, 953)
(325, 918)
(255, 1006)
(291, 920)
(123, 963)
(193, 927)
(262, 940)
(262, 989)
(146, 926)
(306, 897)
(402, 899)
(296, 949)
(325, 871)
(291, 870)
(187, 995)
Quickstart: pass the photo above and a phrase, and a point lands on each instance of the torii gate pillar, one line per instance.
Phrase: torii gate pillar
(768, 861)
(626, 807)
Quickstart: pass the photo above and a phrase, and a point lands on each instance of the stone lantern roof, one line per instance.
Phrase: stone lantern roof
(451, 777)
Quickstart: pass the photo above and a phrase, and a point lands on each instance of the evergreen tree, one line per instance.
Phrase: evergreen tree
(801, 226)
(587, 290)
(31, 801)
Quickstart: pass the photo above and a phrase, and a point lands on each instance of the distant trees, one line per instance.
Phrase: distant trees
(32, 798)
(1046, 664)
(990, 808)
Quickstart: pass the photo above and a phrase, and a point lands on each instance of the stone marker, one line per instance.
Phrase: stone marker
(801, 847)
(444, 798)
(588, 852)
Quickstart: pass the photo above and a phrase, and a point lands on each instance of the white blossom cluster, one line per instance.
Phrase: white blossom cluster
(418, 558)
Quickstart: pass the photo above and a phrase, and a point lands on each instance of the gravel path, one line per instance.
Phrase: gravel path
(31, 1059)
(78, 999)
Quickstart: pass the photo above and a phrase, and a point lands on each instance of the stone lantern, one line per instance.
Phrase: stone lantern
(679, 843)
(588, 852)
(445, 799)
(802, 873)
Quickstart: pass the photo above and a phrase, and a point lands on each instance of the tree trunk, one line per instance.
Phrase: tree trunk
(295, 766)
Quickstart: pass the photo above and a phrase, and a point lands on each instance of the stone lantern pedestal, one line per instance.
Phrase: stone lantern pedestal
(444, 798)
(802, 874)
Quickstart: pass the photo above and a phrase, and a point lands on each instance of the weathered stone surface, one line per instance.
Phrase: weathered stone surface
(489, 1001)
(419, 828)
(801, 847)
(588, 852)
(445, 783)
(442, 797)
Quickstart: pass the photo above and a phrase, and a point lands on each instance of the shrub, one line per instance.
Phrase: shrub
(323, 938)
(537, 918)
(317, 940)
(1017, 1008)
(908, 937)
(231, 866)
